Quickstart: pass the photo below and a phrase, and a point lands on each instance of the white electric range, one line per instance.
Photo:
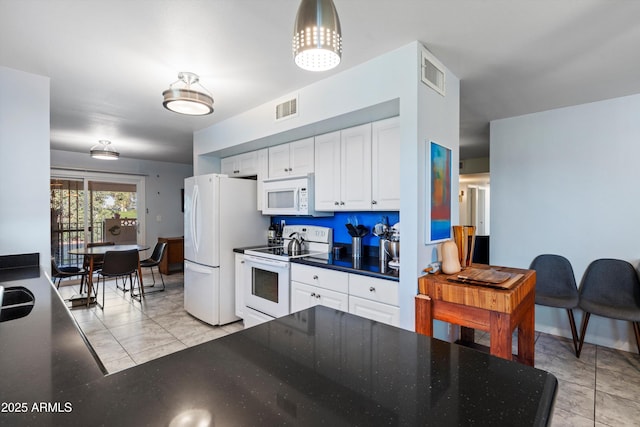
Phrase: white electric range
(267, 272)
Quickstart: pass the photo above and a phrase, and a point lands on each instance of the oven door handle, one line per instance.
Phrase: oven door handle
(266, 261)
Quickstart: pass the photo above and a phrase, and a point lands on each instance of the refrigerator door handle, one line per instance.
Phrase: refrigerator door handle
(194, 218)
(197, 268)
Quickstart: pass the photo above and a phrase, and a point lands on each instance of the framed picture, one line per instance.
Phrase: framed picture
(438, 223)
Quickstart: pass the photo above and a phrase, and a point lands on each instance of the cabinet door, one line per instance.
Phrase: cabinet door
(279, 161)
(301, 157)
(263, 171)
(379, 312)
(248, 163)
(302, 296)
(327, 171)
(385, 165)
(227, 165)
(239, 284)
(355, 165)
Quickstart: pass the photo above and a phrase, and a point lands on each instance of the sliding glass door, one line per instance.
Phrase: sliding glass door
(94, 208)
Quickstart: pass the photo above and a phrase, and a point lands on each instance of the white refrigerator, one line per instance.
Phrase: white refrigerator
(220, 214)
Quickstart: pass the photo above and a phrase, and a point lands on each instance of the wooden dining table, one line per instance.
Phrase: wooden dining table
(491, 309)
(92, 252)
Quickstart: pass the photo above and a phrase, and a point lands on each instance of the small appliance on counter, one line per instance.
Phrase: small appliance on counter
(393, 247)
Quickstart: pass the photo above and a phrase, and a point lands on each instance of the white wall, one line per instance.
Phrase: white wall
(163, 183)
(565, 181)
(339, 101)
(24, 164)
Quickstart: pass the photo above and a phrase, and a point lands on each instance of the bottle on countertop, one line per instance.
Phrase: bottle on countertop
(271, 235)
(279, 241)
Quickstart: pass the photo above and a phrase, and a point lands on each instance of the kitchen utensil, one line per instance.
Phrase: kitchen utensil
(295, 244)
(362, 230)
(351, 229)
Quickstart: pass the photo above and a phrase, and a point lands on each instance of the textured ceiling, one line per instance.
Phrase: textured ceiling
(109, 61)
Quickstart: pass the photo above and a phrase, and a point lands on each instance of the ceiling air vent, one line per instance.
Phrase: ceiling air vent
(431, 74)
(287, 109)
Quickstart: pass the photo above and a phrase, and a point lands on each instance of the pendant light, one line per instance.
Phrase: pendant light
(317, 38)
(186, 99)
(104, 151)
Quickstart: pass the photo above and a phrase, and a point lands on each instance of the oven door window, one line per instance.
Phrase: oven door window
(264, 284)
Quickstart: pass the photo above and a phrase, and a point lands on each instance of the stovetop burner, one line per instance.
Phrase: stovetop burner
(280, 252)
(316, 241)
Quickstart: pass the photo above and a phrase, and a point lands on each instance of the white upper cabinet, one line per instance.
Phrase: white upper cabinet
(343, 169)
(294, 158)
(385, 165)
(245, 164)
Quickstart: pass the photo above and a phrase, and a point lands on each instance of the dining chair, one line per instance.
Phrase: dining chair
(556, 287)
(62, 272)
(119, 264)
(154, 261)
(97, 259)
(610, 288)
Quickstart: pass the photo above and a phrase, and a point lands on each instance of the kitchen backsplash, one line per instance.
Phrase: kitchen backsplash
(338, 221)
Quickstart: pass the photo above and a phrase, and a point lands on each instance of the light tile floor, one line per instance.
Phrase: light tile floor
(602, 388)
(128, 332)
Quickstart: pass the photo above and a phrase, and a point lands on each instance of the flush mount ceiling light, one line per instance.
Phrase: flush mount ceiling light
(317, 38)
(187, 100)
(104, 151)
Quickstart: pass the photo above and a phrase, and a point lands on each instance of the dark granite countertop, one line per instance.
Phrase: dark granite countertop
(317, 366)
(366, 266)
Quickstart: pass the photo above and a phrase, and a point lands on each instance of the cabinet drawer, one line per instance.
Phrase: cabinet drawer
(385, 291)
(373, 310)
(322, 277)
(305, 296)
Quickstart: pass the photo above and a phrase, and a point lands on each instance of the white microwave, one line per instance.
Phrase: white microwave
(290, 196)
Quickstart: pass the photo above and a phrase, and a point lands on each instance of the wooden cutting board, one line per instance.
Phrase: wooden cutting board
(486, 277)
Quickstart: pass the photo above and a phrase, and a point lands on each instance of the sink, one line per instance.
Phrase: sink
(17, 302)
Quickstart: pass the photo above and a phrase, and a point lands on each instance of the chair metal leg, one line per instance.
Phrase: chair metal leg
(636, 329)
(583, 330)
(139, 295)
(154, 281)
(574, 334)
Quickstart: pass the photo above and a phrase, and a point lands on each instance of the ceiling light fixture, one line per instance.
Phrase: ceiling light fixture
(186, 100)
(104, 151)
(317, 38)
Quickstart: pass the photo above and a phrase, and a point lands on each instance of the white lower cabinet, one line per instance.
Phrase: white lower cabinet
(239, 284)
(305, 296)
(373, 310)
(370, 297)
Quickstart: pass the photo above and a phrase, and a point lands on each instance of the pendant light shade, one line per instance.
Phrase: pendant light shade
(317, 38)
(104, 151)
(186, 99)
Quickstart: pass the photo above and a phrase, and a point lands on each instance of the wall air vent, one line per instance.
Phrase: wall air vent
(287, 109)
(432, 74)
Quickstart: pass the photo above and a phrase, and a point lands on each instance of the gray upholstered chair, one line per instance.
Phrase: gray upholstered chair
(610, 288)
(556, 287)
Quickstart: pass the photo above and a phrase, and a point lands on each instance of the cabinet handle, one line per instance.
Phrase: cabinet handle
(290, 170)
(373, 202)
(317, 296)
(286, 170)
(242, 262)
(315, 277)
(372, 289)
(336, 203)
(313, 294)
(341, 203)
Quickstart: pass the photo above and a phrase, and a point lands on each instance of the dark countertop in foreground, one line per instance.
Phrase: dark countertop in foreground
(317, 366)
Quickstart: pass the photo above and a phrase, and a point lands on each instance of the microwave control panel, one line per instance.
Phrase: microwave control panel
(304, 199)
